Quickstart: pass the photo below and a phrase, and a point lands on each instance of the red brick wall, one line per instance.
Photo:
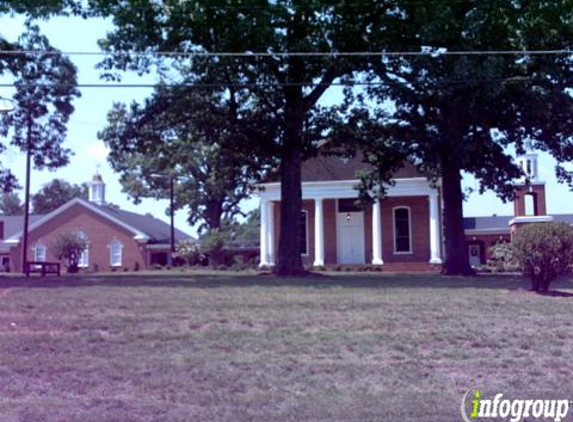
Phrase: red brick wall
(330, 250)
(486, 241)
(420, 229)
(368, 234)
(519, 202)
(100, 232)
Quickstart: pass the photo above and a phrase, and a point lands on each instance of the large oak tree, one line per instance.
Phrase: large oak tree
(287, 84)
(458, 113)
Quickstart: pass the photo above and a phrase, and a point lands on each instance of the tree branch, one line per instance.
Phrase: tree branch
(311, 99)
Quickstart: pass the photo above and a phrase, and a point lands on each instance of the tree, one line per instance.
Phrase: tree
(544, 252)
(55, 194)
(10, 204)
(13, 63)
(68, 247)
(551, 28)
(288, 85)
(457, 113)
(45, 84)
(193, 138)
(248, 232)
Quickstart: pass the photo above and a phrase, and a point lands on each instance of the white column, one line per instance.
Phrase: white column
(271, 232)
(435, 253)
(318, 232)
(265, 228)
(377, 233)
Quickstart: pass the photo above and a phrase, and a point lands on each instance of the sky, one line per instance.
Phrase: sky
(90, 154)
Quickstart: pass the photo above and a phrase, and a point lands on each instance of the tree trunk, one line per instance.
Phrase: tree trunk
(457, 260)
(535, 283)
(289, 262)
(544, 285)
(214, 213)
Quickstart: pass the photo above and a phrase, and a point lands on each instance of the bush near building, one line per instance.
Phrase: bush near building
(68, 247)
(544, 252)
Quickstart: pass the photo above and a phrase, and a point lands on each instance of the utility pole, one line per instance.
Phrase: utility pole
(26, 201)
(172, 212)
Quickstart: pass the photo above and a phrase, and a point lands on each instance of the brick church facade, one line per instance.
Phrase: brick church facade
(118, 240)
(402, 231)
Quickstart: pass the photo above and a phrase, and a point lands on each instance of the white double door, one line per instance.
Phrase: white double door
(350, 237)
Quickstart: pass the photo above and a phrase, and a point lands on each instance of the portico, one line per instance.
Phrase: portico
(404, 226)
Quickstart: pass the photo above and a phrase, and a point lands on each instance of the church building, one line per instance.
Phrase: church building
(401, 232)
(118, 240)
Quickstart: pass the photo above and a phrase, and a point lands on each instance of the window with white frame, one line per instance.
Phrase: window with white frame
(115, 253)
(402, 230)
(40, 252)
(84, 260)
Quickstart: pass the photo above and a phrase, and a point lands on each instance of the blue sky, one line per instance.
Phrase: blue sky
(75, 34)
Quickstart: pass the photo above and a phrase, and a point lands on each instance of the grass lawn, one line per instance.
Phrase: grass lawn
(346, 347)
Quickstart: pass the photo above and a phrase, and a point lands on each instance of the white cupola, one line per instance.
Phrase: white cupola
(528, 162)
(97, 190)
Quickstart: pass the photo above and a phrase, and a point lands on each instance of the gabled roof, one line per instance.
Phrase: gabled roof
(14, 223)
(143, 227)
(157, 230)
(324, 168)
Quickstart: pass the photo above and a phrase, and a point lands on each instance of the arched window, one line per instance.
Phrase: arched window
(402, 230)
(115, 253)
(84, 260)
(40, 252)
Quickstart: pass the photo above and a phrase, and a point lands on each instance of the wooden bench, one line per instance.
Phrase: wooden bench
(43, 268)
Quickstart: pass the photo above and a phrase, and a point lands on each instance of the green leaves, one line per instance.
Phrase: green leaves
(46, 85)
(55, 194)
(210, 143)
(544, 251)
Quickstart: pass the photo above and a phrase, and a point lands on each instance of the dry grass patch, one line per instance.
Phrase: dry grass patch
(243, 348)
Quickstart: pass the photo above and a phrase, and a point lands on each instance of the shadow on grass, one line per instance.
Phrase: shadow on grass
(322, 281)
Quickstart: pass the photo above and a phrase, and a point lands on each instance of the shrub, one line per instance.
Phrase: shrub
(189, 253)
(503, 258)
(68, 248)
(544, 252)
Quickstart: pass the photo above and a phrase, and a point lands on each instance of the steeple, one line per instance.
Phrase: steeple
(528, 163)
(530, 198)
(97, 189)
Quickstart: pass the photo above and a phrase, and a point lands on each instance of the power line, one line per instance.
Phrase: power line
(287, 84)
(431, 53)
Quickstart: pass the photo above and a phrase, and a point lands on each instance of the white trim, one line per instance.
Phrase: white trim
(319, 255)
(139, 235)
(435, 230)
(532, 219)
(419, 186)
(159, 246)
(486, 231)
(306, 234)
(377, 245)
(410, 250)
